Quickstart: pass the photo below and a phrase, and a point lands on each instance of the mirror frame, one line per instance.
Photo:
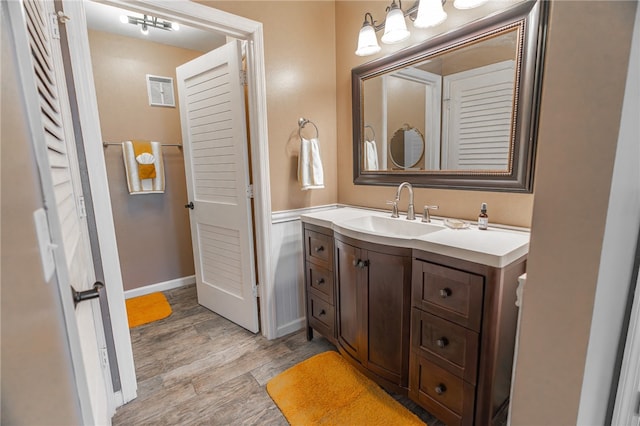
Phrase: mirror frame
(533, 16)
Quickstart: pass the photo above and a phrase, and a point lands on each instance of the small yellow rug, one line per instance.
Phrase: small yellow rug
(326, 390)
(145, 309)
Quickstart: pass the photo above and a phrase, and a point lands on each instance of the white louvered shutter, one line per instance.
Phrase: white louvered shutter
(66, 218)
(479, 104)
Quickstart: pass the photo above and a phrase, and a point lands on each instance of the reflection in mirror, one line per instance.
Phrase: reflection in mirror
(472, 96)
(406, 148)
(462, 100)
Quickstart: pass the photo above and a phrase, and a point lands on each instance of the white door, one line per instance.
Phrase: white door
(37, 44)
(214, 136)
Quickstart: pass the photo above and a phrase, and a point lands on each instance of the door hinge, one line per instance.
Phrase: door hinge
(256, 290)
(82, 209)
(104, 358)
(243, 78)
(250, 191)
(55, 29)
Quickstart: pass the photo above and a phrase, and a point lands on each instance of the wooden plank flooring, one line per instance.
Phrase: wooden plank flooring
(197, 368)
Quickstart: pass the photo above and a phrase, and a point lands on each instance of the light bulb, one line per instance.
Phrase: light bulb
(430, 14)
(175, 26)
(395, 27)
(367, 41)
(124, 19)
(468, 4)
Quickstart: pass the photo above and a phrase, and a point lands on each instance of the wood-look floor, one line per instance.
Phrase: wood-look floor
(197, 368)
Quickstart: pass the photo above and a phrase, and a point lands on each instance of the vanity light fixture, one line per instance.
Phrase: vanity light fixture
(149, 21)
(423, 13)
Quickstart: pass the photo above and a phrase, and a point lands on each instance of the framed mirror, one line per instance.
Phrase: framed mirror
(457, 111)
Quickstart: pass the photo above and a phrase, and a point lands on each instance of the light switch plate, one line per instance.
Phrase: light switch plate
(44, 243)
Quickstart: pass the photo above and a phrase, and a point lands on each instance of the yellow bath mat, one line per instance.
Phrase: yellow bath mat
(326, 390)
(146, 309)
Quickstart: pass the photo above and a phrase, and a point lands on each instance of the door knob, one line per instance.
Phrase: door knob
(189, 206)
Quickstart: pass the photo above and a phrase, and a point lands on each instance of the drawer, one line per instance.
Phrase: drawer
(320, 280)
(446, 344)
(448, 397)
(322, 315)
(448, 293)
(318, 248)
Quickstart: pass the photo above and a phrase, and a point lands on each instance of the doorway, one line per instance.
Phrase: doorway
(203, 18)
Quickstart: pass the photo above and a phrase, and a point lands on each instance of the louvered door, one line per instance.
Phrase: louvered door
(216, 158)
(34, 24)
(478, 108)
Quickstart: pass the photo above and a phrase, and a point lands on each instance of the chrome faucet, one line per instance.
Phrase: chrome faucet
(411, 215)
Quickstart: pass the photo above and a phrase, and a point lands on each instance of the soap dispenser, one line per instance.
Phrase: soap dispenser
(483, 217)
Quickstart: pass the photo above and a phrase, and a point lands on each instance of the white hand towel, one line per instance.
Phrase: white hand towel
(370, 155)
(310, 173)
(134, 183)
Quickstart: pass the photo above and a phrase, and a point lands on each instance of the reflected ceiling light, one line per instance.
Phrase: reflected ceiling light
(423, 13)
(149, 21)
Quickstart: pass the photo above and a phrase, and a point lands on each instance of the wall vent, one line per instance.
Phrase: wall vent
(160, 91)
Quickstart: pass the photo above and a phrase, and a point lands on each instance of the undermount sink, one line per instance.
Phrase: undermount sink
(388, 226)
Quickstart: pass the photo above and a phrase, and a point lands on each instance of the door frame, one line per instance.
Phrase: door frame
(206, 18)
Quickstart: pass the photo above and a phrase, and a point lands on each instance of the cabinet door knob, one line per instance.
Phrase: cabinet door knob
(442, 342)
(359, 263)
(440, 389)
(320, 281)
(319, 249)
(445, 292)
(322, 312)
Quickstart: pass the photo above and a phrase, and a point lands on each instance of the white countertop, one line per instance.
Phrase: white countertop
(497, 247)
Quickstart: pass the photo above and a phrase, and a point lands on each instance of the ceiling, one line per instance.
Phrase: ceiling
(101, 17)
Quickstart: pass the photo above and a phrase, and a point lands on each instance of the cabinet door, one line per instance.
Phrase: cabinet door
(350, 333)
(387, 292)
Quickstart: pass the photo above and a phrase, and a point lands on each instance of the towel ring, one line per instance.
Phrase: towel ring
(373, 132)
(303, 122)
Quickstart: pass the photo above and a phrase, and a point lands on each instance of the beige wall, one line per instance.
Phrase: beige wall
(584, 80)
(152, 230)
(299, 40)
(513, 209)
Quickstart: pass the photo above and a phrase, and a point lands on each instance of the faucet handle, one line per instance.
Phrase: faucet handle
(425, 216)
(394, 208)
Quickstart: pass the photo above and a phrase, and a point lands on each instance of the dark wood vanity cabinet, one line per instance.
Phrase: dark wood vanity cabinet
(439, 329)
(463, 327)
(373, 284)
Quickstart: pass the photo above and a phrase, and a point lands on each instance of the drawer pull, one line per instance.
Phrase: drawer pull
(320, 281)
(445, 292)
(442, 342)
(359, 263)
(319, 249)
(322, 312)
(440, 389)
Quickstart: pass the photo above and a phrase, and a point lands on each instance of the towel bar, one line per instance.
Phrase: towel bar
(105, 144)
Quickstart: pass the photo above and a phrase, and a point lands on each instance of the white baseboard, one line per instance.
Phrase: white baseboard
(291, 327)
(163, 286)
